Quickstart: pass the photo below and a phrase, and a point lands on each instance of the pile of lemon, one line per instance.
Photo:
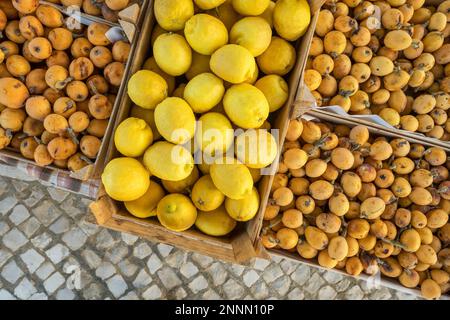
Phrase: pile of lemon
(228, 59)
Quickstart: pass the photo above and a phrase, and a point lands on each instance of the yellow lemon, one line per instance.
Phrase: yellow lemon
(168, 161)
(246, 106)
(172, 54)
(132, 137)
(208, 4)
(205, 195)
(233, 63)
(176, 212)
(125, 179)
(147, 88)
(204, 92)
(204, 167)
(226, 13)
(205, 33)
(243, 209)
(215, 134)
(148, 116)
(250, 7)
(253, 33)
(253, 79)
(179, 91)
(150, 64)
(231, 177)
(200, 64)
(256, 148)
(279, 58)
(268, 14)
(275, 90)
(145, 206)
(291, 18)
(157, 31)
(215, 223)
(173, 14)
(175, 120)
(181, 186)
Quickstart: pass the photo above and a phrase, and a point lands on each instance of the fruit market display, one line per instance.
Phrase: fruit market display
(57, 84)
(363, 204)
(389, 58)
(216, 67)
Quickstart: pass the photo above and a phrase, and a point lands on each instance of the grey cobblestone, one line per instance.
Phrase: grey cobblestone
(45, 244)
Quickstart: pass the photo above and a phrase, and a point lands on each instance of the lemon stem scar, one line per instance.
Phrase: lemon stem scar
(171, 208)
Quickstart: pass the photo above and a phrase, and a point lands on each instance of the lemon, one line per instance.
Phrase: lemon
(175, 120)
(179, 91)
(204, 167)
(205, 195)
(172, 54)
(125, 179)
(145, 206)
(279, 58)
(176, 212)
(256, 148)
(181, 186)
(215, 223)
(148, 116)
(215, 134)
(150, 64)
(208, 4)
(254, 77)
(233, 63)
(205, 33)
(204, 92)
(275, 90)
(173, 14)
(250, 7)
(253, 33)
(132, 137)
(147, 89)
(246, 106)
(168, 161)
(200, 64)
(226, 13)
(243, 209)
(291, 18)
(231, 177)
(268, 14)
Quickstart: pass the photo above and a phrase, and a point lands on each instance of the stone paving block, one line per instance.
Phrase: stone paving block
(61, 225)
(42, 240)
(154, 263)
(233, 290)
(198, 284)
(7, 204)
(105, 270)
(130, 296)
(32, 259)
(57, 253)
(53, 282)
(129, 239)
(91, 258)
(117, 285)
(250, 277)
(6, 295)
(19, 214)
(168, 278)
(45, 270)
(14, 239)
(39, 296)
(127, 268)
(188, 270)
(47, 212)
(24, 289)
(142, 250)
(30, 227)
(152, 293)
(57, 194)
(65, 294)
(4, 228)
(11, 272)
(74, 238)
(4, 256)
(142, 279)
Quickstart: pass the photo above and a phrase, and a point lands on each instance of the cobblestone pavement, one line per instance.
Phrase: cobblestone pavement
(48, 251)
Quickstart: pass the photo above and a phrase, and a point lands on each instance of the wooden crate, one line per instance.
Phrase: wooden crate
(316, 114)
(238, 246)
(93, 171)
